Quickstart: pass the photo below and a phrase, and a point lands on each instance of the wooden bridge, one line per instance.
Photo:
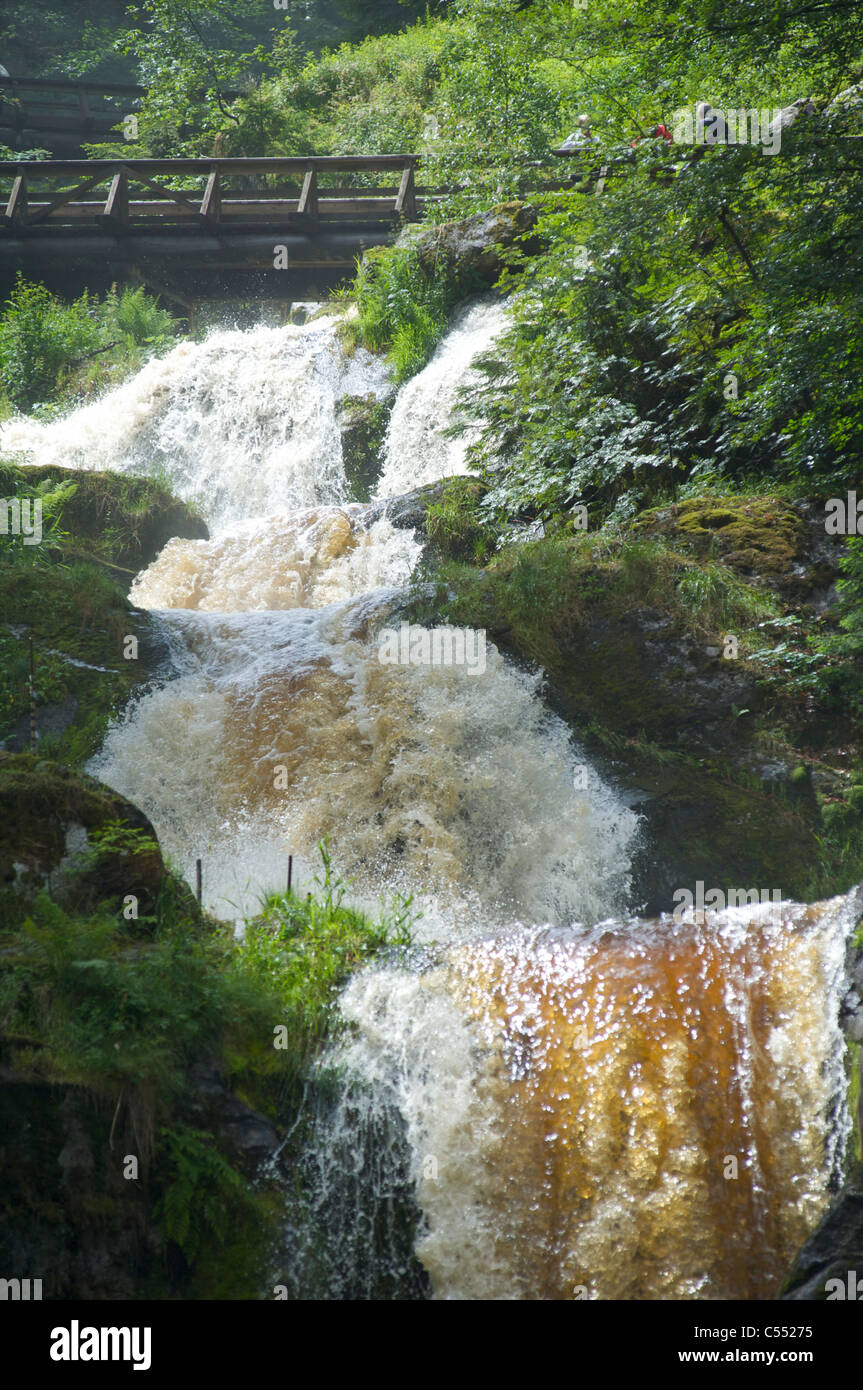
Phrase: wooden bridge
(202, 229)
(61, 116)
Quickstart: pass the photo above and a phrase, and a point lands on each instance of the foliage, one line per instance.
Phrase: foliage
(48, 348)
(499, 105)
(202, 1195)
(402, 305)
(842, 680)
(115, 1016)
(303, 949)
(455, 526)
(539, 589)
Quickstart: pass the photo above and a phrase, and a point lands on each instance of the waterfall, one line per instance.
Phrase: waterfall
(241, 425)
(417, 448)
(582, 1105)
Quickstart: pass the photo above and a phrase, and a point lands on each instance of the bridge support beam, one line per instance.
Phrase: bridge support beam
(308, 203)
(115, 218)
(16, 208)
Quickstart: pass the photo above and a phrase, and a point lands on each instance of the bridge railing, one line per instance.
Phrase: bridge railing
(56, 109)
(125, 196)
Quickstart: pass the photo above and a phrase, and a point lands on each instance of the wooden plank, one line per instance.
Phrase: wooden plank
(16, 208)
(133, 167)
(36, 84)
(69, 168)
(308, 204)
(211, 203)
(406, 203)
(234, 211)
(63, 199)
(116, 214)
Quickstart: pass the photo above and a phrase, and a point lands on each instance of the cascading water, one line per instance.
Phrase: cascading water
(580, 1106)
(418, 448)
(242, 425)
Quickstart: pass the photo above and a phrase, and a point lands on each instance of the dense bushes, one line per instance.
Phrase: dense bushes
(120, 1011)
(49, 349)
(402, 307)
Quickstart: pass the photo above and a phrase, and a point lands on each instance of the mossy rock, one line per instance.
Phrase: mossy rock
(363, 423)
(48, 815)
(454, 526)
(119, 518)
(765, 539)
(80, 622)
(67, 1216)
(475, 248)
(702, 825)
(630, 667)
(71, 600)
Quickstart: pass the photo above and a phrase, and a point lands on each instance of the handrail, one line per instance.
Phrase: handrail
(87, 168)
(215, 208)
(64, 84)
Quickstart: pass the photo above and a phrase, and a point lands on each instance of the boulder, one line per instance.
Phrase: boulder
(476, 247)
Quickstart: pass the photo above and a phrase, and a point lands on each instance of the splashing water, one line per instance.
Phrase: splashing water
(242, 425)
(417, 449)
(580, 1106)
(624, 1112)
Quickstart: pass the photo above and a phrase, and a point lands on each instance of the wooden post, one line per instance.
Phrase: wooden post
(211, 205)
(16, 208)
(309, 197)
(290, 870)
(406, 200)
(34, 732)
(198, 881)
(116, 214)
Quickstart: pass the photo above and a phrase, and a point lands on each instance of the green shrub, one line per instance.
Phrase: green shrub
(403, 307)
(49, 349)
(842, 680)
(303, 949)
(41, 338)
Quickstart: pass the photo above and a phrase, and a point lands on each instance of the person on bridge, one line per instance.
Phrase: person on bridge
(580, 138)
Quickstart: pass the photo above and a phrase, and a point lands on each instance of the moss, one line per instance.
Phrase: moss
(75, 609)
(455, 525)
(762, 538)
(628, 631)
(596, 613)
(116, 519)
(363, 422)
(120, 1046)
(79, 620)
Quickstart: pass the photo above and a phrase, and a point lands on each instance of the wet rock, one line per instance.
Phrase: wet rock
(475, 247)
(408, 511)
(47, 817)
(768, 541)
(250, 1137)
(834, 1251)
(363, 422)
(120, 520)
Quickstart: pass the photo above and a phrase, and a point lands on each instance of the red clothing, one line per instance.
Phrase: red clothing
(659, 131)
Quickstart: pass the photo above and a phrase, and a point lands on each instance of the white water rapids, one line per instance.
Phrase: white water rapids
(559, 1089)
